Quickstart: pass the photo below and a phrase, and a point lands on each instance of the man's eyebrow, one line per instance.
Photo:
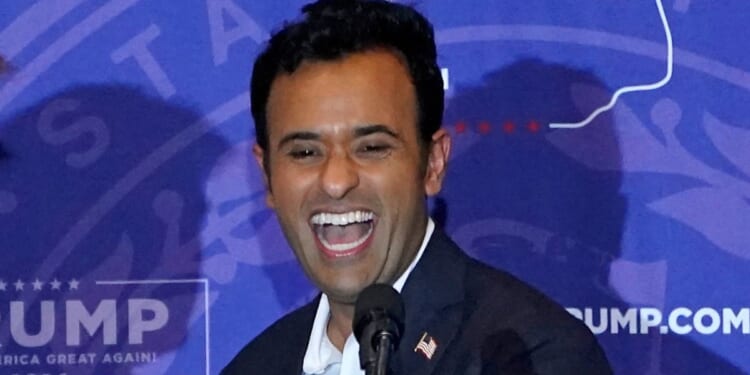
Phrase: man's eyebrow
(303, 136)
(366, 130)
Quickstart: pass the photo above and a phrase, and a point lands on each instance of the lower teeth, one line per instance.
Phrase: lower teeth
(345, 246)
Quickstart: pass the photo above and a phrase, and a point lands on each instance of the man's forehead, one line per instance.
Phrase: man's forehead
(338, 130)
(366, 84)
(365, 53)
(369, 59)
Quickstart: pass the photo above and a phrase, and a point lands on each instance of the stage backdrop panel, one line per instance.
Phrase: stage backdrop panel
(134, 234)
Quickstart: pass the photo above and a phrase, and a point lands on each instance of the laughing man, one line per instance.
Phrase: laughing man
(347, 103)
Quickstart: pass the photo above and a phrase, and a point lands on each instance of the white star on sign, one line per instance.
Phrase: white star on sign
(3, 285)
(19, 284)
(55, 284)
(37, 284)
(73, 284)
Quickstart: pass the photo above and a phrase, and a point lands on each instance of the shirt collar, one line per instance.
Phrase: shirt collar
(320, 351)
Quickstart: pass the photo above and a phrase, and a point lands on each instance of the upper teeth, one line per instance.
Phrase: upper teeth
(342, 218)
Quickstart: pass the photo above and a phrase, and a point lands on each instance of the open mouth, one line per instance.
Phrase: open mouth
(342, 234)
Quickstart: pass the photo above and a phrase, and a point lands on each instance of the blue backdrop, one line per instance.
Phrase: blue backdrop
(134, 236)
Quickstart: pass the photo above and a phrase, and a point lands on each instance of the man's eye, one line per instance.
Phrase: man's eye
(374, 150)
(302, 153)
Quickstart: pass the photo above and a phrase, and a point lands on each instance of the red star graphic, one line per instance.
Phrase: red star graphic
(460, 127)
(533, 126)
(484, 127)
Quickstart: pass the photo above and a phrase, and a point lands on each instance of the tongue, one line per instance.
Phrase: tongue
(338, 234)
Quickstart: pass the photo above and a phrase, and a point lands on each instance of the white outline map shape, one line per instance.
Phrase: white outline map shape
(626, 89)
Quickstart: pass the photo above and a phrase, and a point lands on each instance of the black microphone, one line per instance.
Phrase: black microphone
(378, 325)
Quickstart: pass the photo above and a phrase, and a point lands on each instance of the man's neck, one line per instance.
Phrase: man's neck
(340, 324)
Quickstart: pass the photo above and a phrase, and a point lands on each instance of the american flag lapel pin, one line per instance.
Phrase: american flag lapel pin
(426, 345)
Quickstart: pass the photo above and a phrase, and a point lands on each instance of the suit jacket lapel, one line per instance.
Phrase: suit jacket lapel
(433, 295)
(298, 340)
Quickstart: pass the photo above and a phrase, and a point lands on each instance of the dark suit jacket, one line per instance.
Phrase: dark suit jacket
(484, 321)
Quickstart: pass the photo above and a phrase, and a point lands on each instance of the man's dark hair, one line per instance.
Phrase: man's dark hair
(332, 29)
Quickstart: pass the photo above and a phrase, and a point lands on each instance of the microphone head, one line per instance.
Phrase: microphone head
(382, 305)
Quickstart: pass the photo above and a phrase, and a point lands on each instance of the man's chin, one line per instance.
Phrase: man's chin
(343, 295)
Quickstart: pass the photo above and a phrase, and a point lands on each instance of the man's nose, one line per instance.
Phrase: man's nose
(339, 175)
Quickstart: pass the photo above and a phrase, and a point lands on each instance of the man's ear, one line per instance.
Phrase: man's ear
(260, 158)
(437, 162)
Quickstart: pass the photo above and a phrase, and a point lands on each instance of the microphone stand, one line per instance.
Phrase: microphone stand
(382, 350)
(378, 324)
